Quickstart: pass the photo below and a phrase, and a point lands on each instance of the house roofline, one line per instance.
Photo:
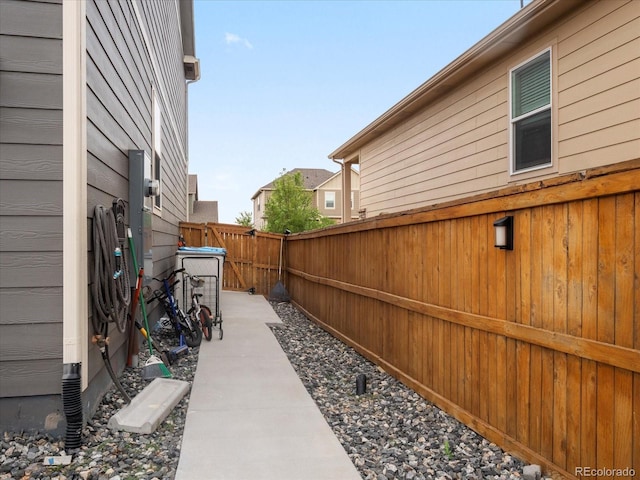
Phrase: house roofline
(260, 191)
(271, 185)
(339, 172)
(520, 27)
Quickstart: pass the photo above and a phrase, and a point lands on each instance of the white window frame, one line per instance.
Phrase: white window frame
(327, 199)
(156, 150)
(513, 121)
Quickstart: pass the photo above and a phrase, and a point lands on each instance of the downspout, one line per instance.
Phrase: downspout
(74, 218)
(186, 124)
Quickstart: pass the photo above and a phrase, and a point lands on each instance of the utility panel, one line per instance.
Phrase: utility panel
(142, 189)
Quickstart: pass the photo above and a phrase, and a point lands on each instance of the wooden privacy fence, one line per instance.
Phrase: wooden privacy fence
(252, 257)
(537, 348)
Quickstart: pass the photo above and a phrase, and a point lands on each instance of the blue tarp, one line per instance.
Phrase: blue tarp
(204, 250)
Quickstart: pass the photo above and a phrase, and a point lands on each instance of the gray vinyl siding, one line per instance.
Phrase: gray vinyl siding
(118, 119)
(162, 26)
(30, 199)
(120, 76)
(120, 83)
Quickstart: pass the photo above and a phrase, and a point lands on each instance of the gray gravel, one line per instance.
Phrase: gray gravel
(106, 454)
(389, 433)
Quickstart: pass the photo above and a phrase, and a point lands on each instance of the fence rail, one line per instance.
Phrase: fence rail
(537, 349)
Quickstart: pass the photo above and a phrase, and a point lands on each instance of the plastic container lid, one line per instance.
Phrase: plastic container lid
(209, 250)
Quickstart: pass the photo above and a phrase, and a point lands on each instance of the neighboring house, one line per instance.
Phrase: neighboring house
(82, 83)
(200, 211)
(553, 90)
(326, 190)
(329, 199)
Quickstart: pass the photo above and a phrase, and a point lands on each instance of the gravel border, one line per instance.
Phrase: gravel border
(106, 454)
(390, 432)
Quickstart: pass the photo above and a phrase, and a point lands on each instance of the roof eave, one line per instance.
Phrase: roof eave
(187, 28)
(529, 20)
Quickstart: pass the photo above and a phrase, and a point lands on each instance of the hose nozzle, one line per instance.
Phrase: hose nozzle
(118, 254)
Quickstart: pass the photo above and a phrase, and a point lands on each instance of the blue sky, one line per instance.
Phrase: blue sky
(285, 83)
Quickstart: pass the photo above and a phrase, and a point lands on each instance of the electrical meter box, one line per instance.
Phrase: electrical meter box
(142, 189)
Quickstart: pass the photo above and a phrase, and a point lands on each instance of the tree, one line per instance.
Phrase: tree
(289, 207)
(245, 219)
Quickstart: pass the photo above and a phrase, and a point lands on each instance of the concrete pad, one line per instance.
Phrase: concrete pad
(150, 407)
(249, 382)
(242, 341)
(249, 414)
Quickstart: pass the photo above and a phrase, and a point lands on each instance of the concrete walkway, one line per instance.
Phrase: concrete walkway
(249, 416)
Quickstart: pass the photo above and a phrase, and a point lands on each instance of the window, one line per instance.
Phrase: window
(330, 200)
(258, 202)
(351, 200)
(531, 114)
(156, 164)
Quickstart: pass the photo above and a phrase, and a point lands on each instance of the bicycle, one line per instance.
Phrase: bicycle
(202, 313)
(184, 326)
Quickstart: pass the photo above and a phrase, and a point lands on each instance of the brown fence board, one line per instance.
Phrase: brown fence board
(513, 391)
(574, 269)
(559, 424)
(624, 292)
(636, 408)
(536, 348)
(588, 426)
(636, 289)
(574, 372)
(605, 415)
(623, 428)
(606, 266)
(535, 404)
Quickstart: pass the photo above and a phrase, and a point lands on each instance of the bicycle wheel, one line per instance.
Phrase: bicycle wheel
(206, 323)
(192, 333)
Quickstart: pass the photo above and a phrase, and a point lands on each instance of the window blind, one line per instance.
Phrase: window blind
(532, 86)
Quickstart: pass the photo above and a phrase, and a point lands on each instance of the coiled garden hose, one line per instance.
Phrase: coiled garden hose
(111, 289)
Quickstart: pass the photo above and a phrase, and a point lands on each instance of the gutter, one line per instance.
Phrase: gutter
(508, 36)
(191, 70)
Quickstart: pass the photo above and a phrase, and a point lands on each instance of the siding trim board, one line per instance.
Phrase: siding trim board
(74, 171)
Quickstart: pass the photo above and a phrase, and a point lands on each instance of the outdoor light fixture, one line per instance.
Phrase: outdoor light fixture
(504, 233)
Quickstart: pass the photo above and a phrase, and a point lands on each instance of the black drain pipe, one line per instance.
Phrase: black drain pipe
(72, 403)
